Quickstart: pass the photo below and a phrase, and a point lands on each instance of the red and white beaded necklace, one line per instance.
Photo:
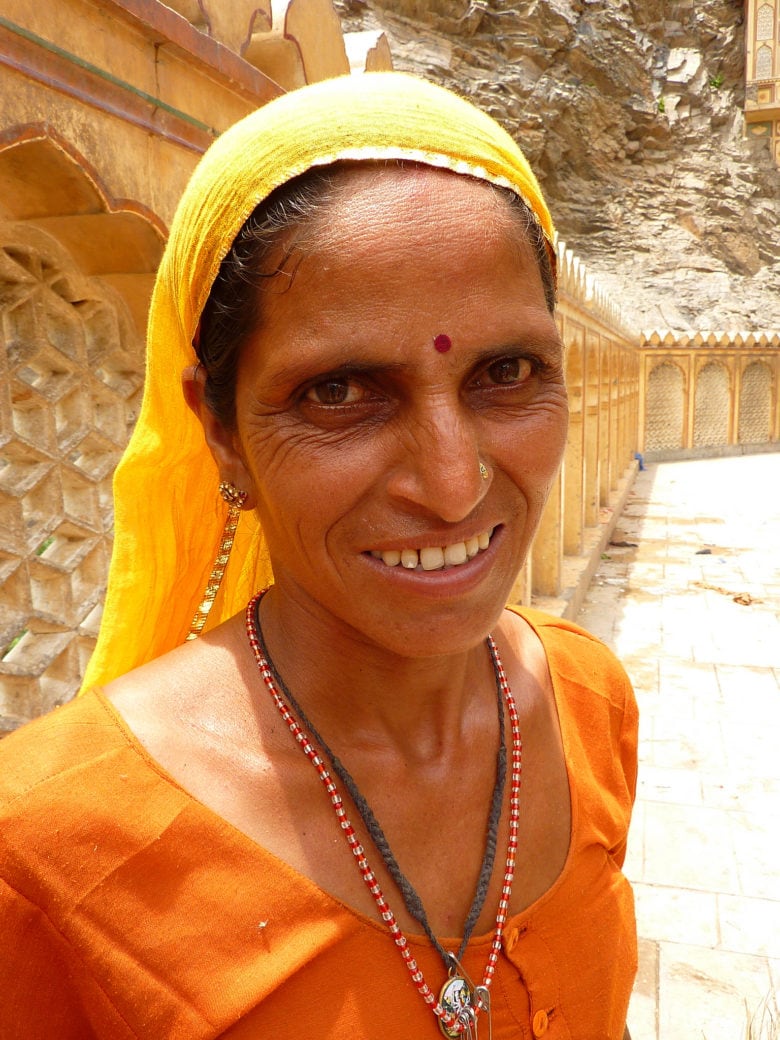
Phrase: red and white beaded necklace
(460, 1002)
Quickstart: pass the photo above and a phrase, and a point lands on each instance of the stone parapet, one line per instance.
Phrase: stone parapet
(708, 392)
(602, 376)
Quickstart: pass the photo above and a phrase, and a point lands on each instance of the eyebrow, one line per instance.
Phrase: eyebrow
(301, 372)
(305, 372)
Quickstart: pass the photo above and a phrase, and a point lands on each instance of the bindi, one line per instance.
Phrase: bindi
(442, 343)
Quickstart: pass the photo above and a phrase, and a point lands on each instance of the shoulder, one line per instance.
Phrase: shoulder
(577, 658)
(77, 798)
(63, 741)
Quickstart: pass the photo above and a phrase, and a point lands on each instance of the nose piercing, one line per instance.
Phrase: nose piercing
(483, 472)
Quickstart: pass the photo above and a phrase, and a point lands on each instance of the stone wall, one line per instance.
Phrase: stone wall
(712, 393)
(602, 375)
(762, 67)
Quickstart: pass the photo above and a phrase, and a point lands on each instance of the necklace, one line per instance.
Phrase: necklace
(460, 1001)
(411, 899)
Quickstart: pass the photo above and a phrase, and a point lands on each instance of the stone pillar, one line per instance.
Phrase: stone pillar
(690, 398)
(574, 462)
(591, 431)
(547, 551)
(604, 421)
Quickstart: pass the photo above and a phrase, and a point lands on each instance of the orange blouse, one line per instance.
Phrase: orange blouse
(130, 910)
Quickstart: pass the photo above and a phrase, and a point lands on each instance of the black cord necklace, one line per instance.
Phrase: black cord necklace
(411, 898)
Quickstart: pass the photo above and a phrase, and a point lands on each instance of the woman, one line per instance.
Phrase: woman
(308, 821)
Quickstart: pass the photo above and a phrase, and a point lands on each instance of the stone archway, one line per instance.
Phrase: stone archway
(76, 272)
(711, 411)
(755, 404)
(664, 425)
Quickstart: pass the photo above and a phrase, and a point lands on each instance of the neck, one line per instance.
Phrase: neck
(363, 695)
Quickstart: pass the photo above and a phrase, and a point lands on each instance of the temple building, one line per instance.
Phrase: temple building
(762, 71)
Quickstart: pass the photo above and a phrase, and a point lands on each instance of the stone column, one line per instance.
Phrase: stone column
(591, 431)
(574, 462)
(547, 551)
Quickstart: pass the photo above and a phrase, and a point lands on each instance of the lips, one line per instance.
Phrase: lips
(436, 557)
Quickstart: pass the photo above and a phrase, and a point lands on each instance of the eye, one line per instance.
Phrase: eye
(334, 391)
(508, 370)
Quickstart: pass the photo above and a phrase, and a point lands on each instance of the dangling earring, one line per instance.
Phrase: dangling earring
(235, 500)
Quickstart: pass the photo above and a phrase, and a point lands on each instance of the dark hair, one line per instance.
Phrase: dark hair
(265, 248)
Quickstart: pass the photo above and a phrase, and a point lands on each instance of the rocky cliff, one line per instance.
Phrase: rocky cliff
(630, 112)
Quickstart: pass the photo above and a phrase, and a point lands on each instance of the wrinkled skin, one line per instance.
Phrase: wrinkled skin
(355, 435)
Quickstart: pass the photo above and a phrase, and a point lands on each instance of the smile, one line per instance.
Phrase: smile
(436, 557)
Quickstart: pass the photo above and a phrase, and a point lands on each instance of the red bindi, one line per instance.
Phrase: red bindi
(442, 343)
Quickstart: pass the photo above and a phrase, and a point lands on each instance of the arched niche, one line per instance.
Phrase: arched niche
(711, 407)
(76, 272)
(755, 404)
(47, 184)
(665, 407)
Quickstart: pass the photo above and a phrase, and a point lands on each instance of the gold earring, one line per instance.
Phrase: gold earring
(232, 495)
(235, 500)
(483, 471)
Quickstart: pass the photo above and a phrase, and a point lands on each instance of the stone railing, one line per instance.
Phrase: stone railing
(602, 374)
(708, 393)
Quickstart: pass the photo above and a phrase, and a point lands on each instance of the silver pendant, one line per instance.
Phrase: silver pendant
(455, 998)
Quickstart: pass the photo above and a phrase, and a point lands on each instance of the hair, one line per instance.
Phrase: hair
(264, 249)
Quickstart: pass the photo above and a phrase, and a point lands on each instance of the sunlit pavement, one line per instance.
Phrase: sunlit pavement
(691, 604)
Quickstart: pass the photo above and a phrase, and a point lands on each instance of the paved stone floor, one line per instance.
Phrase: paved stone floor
(691, 604)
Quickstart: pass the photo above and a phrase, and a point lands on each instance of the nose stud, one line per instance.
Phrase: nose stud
(483, 472)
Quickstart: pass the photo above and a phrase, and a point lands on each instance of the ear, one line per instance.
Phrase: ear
(223, 443)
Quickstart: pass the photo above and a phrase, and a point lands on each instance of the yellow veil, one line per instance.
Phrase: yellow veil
(168, 513)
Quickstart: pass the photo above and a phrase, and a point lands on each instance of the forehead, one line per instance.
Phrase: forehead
(395, 258)
(402, 196)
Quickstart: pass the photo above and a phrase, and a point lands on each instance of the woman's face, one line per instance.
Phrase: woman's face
(361, 442)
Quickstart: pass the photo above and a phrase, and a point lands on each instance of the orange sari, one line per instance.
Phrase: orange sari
(130, 910)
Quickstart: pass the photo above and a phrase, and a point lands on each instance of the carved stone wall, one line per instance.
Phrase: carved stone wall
(602, 374)
(665, 403)
(711, 411)
(762, 94)
(71, 375)
(755, 404)
(710, 393)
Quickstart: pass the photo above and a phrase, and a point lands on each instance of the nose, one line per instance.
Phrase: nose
(438, 468)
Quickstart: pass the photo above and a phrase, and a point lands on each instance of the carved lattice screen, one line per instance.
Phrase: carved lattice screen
(665, 411)
(71, 375)
(711, 417)
(755, 404)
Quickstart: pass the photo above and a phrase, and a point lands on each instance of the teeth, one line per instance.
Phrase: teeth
(435, 557)
(432, 559)
(455, 554)
(409, 559)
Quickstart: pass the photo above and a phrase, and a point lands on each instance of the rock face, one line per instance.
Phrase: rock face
(630, 112)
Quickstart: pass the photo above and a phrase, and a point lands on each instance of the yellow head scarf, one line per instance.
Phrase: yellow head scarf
(168, 513)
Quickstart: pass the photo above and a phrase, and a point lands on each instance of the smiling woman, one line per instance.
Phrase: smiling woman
(309, 820)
